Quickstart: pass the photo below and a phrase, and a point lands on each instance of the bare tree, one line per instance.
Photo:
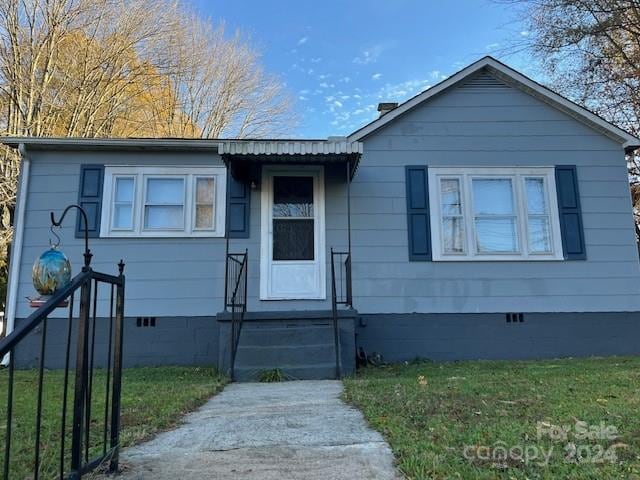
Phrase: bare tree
(591, 50)
(219, 88)
(125, 68)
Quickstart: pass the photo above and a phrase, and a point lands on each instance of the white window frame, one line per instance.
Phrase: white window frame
(140, 175)
(518, 176)
(113, 202)
(145, 203)
(195, 201)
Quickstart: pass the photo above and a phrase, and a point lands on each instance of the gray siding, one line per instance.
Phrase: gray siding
(165, 276)
(463, 127)
(491, 127)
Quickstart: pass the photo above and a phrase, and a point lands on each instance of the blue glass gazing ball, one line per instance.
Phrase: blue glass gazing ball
(51, 271)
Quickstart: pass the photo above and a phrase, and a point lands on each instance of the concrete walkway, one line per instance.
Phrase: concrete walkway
(290, 430)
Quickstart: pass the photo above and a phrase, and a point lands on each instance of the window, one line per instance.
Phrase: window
(452, 216)
(205, 203)
(293, 219)
(538, 219)
(164, 201)
(123, 203)
(494, 214)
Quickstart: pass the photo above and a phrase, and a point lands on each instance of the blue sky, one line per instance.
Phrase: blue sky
(338, 59)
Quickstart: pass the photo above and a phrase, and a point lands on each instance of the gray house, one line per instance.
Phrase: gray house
(487, 217)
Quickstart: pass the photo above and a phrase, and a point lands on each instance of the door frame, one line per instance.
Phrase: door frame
(266, 237)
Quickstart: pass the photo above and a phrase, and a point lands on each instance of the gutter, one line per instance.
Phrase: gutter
(74, 143)
(630, 147)
(16, 247)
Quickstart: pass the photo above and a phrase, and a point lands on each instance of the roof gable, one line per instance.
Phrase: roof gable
(488, 73)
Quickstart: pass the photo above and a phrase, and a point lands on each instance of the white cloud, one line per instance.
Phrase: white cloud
(303, 40)
(364, 59)
(525, 33)
(302, 97)
(345, 79)
(304, 92)
(492, 46)
(349, 116)
(316, 60)
(369, 55)
(348, 107)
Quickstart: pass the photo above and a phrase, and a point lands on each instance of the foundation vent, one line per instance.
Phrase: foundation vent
(145, 321)
(515, 317)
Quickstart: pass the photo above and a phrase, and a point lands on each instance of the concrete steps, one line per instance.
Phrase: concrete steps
(299, 343)
(302, 350)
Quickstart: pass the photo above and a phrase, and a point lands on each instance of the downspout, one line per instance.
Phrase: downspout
(350, 285)
(16, 247)
(349, 207)
(226, 235)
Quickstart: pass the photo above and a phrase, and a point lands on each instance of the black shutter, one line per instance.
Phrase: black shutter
(570, 213)
(90, 199)
(418, 226)
(239, 199)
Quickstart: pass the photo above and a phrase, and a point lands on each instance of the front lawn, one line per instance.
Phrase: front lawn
(504, 419)
(153, 399)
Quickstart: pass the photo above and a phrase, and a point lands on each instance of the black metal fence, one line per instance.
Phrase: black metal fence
(91, 438)
(340, 295)
(235, 294)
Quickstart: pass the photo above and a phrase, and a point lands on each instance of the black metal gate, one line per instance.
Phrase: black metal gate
(86, 439)
(74, 458)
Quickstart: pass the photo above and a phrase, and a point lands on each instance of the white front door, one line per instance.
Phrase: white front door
(292, 251)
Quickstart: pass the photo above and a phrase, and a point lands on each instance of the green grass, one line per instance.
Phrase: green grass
(272, 376)
(429, 413)
(153, 399)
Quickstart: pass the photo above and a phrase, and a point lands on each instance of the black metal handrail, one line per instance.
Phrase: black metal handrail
(236, 299)
(75, 461)
(340, 295)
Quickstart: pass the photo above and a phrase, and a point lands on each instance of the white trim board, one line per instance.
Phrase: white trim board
(518, 80)
(16, 249)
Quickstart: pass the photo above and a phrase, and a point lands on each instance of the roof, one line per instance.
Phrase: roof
(518, 80)
(290, 147)
(334, 150)
(333, 145)
(75, 143)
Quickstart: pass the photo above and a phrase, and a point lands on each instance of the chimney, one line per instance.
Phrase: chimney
(386, 107)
